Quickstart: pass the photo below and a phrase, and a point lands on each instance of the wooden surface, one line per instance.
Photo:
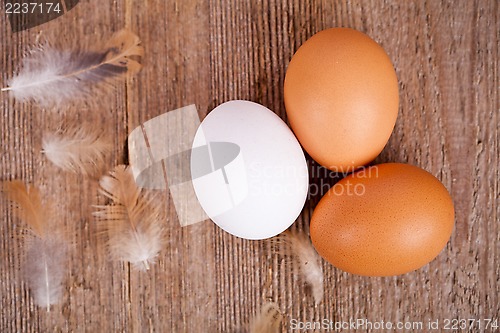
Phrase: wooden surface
(446, 55)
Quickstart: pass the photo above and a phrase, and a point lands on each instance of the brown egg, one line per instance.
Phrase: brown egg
(341, 97)
(388, 219)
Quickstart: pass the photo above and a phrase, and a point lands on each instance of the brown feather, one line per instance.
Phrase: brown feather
(134, 221)
(45, 255)
(27, 205)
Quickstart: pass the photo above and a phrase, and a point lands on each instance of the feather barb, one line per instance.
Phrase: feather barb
(133, 222)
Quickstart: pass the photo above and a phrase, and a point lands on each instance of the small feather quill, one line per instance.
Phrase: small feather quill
(305, 258)
(133, 223)
(46, 249)
(51, 77)
(268, 320)
(77, 149)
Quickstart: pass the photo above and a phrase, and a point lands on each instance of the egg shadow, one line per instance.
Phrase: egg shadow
(321, 180)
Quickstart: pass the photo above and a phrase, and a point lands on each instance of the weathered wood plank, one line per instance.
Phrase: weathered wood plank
(446, 55)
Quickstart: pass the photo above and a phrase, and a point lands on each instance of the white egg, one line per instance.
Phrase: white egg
(248, 170)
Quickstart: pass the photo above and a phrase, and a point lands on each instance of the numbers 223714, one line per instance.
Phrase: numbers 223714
(32, 8)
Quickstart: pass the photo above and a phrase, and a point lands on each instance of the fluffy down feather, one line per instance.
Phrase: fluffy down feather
(45, 257)
(134, 221)
(78, 149)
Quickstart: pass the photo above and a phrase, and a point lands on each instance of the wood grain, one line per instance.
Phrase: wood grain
(446, 54)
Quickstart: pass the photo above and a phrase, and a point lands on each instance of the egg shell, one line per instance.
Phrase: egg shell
(388, 219)
(341, 96)
(254, 182)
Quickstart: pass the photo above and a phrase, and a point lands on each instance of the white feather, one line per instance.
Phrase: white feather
(43, 77)
(51, 77)
(44, 269)
(78, 149)
(306, 259)
(133, 223)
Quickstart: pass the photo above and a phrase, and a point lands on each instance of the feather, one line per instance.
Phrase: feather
(51, 77)
(133, 223)
(306, 259)
(268, 320)
(46, 249)
(77, 149)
